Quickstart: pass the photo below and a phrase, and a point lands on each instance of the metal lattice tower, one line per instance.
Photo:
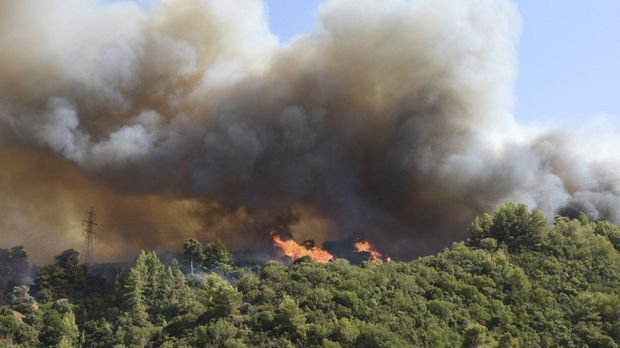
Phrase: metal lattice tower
(88, 227)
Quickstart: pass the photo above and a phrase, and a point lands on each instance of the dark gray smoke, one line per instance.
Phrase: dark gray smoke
(392, 122)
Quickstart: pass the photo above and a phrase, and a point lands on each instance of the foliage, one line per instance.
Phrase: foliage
(67, 279)
(59, 326)
(206, 257)
(518, 281)
(20, 300)
(14, 270)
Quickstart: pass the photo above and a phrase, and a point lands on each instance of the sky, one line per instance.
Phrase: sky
(568, 57)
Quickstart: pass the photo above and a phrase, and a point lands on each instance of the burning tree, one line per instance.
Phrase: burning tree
(294, 250)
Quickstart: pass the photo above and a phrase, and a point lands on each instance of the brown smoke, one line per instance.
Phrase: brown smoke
(391, 123)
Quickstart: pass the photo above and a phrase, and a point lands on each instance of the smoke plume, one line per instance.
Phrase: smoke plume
(392, 122)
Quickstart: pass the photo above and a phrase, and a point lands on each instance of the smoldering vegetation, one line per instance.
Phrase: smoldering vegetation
(187, 118)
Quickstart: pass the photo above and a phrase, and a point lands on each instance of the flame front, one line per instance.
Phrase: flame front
(294, 250)
(365, 246)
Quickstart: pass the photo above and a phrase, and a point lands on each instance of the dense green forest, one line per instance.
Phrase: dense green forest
(517, 281)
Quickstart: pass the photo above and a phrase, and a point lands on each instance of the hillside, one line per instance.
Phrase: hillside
(518, 281)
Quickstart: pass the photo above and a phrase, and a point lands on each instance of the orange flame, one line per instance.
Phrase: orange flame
(294, 250)
(365, 246)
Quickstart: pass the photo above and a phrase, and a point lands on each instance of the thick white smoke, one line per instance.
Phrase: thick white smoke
(391, 122)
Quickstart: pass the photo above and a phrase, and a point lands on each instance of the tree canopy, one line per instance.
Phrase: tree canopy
(517, 281)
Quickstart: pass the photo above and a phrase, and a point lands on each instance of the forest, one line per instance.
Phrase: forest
(517, 281)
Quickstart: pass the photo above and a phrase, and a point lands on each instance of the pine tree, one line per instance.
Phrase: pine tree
(134, 327)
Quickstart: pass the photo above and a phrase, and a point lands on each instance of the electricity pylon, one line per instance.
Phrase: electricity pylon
(88, 227)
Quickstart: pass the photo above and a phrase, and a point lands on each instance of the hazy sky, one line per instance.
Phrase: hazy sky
(569, 57)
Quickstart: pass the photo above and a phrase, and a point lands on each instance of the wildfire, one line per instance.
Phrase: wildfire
(294, 250)
(365, 246)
